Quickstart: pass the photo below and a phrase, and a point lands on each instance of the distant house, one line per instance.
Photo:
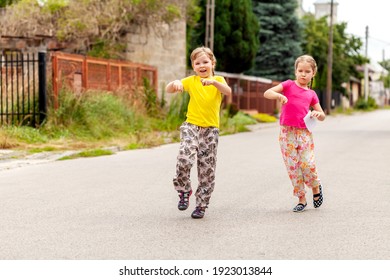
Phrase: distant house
(376, 88)
(354, 91)
(322, 9)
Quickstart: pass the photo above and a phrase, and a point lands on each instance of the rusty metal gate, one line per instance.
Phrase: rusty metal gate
(22, 88)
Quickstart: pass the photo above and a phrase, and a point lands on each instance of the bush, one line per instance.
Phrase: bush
(235, 124)
(362, 104)
(265, 118)
(93, 115)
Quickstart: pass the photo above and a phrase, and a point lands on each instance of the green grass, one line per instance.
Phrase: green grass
(42, 149)
(94, 120)
(89, 153)
(344, 111)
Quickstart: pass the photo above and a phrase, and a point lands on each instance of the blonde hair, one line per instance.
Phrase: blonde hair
(203, 50)
(308, 59)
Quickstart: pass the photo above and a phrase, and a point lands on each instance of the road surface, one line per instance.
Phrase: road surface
(124, 207)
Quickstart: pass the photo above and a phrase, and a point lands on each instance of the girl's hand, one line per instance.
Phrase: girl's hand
(316, 114)
(282, 99)
(206, 82)
(177, 86)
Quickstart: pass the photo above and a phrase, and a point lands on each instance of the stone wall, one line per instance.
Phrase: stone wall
(164, 49)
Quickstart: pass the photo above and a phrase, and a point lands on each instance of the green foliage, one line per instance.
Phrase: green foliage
(43, 149)
(24, 134)
(89, 153)
(97, 119)
(235, 124)
(385, 64)
(172, 12)
(92, 115)
(280, 36)
(194, 23)
(100, 49)
(342, 110)
(264, 118)
(232, 110)
(364, 105)
(54, 6)
(386, 79)
(235, 36)
(176, 113)
(150, 99)
(346, 52)
(194, 12)
(4, 3)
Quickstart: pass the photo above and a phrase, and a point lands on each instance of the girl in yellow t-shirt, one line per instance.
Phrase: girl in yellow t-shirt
(199, 133)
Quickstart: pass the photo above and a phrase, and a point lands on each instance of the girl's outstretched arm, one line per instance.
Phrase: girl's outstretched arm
(174, 86)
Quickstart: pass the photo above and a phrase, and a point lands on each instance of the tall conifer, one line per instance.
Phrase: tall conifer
(280, 39)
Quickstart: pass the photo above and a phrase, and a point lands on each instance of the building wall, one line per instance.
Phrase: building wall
(322, 8)
(165, 50)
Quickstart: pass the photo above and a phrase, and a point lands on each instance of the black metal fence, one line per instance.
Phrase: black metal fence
(22, 88)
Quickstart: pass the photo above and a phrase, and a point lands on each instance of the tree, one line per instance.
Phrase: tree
(346, 52)
(280, 39)
(235, 34)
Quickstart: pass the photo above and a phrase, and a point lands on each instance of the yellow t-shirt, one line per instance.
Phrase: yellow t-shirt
(205, 101)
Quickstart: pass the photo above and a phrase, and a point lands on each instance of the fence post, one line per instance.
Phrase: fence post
(42, 86)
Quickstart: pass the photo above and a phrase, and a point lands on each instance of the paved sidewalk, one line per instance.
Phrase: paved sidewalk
(13, 159)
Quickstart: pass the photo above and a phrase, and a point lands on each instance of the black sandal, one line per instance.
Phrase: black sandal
(317, 203)
(300, 207)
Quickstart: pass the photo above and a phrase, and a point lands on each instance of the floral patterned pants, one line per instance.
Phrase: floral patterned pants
(297, 148)
(197, 143)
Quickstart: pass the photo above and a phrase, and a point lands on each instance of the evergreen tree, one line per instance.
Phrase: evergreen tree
(235, 34)
(280, 39)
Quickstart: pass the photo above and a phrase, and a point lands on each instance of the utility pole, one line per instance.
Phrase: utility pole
(366, 70)
(210, 14)
(330, 62)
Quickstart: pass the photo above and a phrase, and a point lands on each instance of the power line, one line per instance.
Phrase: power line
(379, 40)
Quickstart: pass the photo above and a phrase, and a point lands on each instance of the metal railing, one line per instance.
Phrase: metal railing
(22, 88)
(79, 73)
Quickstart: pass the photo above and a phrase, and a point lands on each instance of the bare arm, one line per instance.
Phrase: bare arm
(318, 112)
(223, 88)
(276, 94)
(174, 86)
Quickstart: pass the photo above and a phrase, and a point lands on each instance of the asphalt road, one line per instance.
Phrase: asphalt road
(124, 207)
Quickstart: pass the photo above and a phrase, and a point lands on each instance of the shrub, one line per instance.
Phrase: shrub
(265, 118)
(362, 104)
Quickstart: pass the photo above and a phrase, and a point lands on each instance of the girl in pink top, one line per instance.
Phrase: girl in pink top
(296, 141)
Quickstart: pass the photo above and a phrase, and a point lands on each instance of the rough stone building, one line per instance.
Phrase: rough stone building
(165, 50)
